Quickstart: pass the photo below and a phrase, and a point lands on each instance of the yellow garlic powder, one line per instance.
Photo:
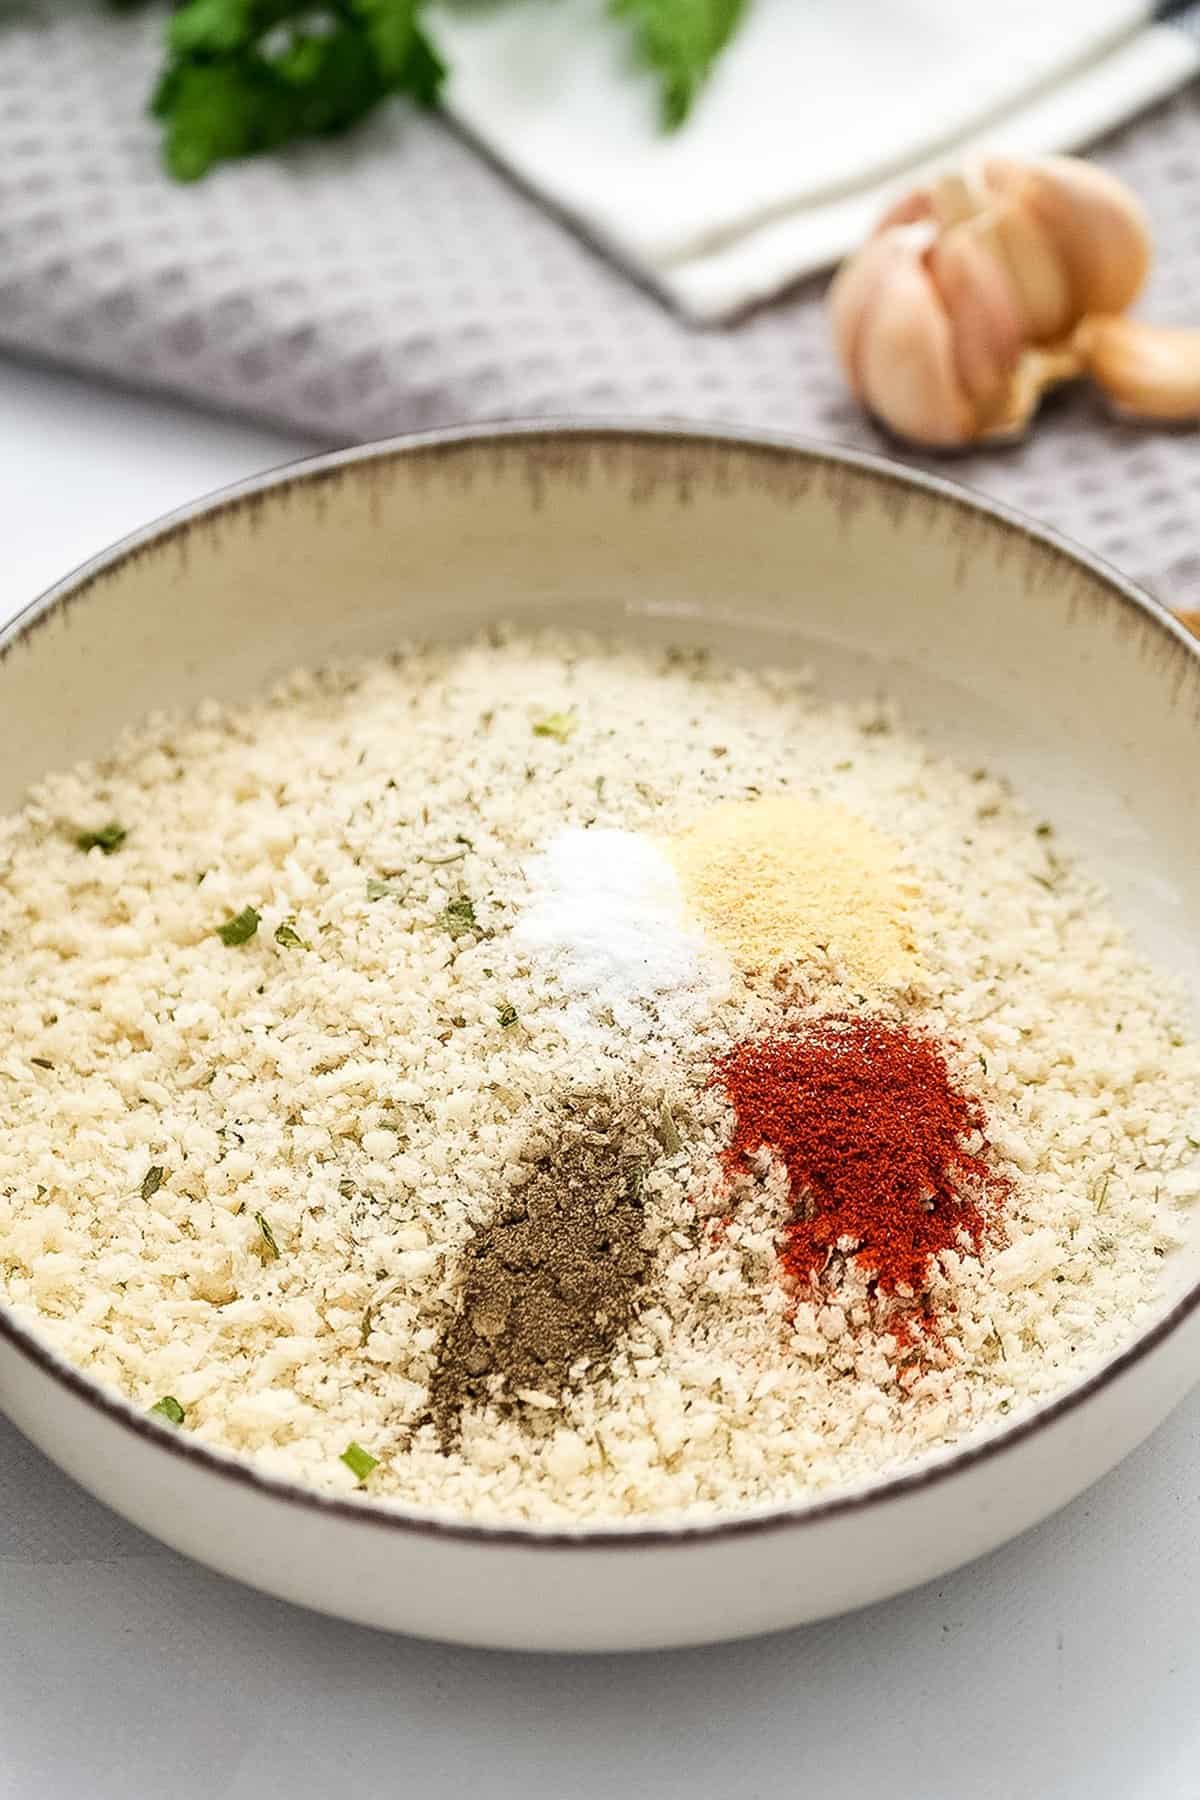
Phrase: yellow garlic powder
(780, 880)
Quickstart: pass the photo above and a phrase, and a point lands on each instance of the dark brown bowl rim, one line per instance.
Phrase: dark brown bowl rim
(609, 1536)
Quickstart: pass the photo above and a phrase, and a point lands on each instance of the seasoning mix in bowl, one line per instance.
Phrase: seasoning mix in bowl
(553, 1079)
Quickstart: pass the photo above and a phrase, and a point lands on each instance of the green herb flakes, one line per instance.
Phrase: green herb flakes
(169, 1408)
(380, 889)
(240, 929)
(360, 1462)
(268, 1237)
(507, 1014)
(668, 1131)
(458, 917)
(288, 938)
(152, 1180)
(558, 726)
(109, 839)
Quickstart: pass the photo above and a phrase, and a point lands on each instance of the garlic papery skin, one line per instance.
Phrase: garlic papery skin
(1148, 371)
(935, 320)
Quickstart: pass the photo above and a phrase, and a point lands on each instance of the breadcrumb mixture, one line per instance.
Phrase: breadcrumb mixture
(240, 1168)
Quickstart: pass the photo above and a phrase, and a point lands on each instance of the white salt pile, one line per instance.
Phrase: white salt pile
(608, 911)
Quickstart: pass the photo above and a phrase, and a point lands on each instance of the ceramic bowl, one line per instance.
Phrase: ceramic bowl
(1006, 645)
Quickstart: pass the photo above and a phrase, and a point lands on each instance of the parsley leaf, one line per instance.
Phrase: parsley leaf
(169, 1408)
(109, 838)
(240, 929)
(288, 938)
(152, 1180)
(506, 1012)
(360, 1462)
(679, 40)
(249, 75)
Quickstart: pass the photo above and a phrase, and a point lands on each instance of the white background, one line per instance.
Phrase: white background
(1066, 1665)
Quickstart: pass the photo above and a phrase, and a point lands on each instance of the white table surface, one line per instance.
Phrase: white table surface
(1066, 1665)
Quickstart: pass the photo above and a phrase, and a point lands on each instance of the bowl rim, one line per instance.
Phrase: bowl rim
(605, 1534)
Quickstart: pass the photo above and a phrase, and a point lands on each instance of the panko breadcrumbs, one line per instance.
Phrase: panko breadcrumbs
(246, 1174)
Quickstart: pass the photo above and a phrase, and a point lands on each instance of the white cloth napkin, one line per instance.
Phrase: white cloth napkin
(817, 112)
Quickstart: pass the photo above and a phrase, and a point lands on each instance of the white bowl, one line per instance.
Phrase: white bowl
(1005, 644)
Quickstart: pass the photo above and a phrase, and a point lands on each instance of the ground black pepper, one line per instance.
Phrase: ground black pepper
(550, 1285)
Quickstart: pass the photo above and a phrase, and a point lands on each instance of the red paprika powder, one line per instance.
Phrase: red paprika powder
(873, 1135)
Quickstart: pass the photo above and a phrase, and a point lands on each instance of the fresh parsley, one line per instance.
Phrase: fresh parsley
(288, 938)
(169, 1408)
(240, 929)
(246, 76)
(679, 40)
(360, 1462)
(109, 838)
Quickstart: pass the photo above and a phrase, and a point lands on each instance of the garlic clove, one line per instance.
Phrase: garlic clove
(1040, 368)
(861, 284)
(1040, 283)
(909, 209)
(1151, 371)
(1098, 227)
(960, 194)
(986, 327)
(907, 366)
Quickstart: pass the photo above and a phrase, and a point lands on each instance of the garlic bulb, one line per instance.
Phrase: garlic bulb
(962, 308)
